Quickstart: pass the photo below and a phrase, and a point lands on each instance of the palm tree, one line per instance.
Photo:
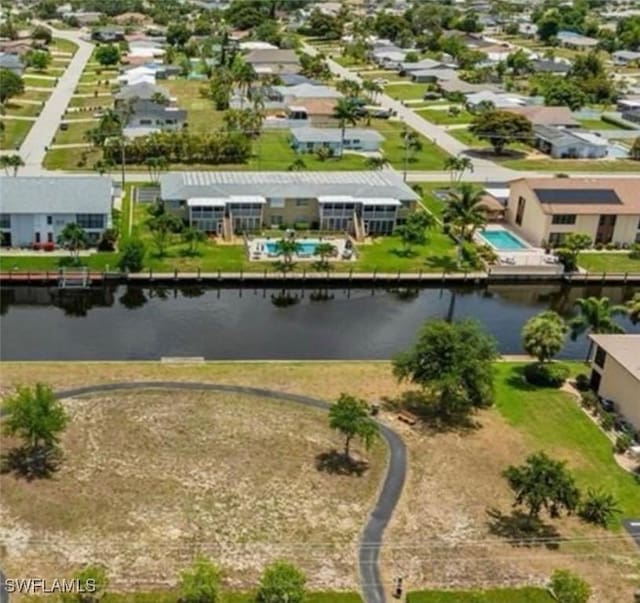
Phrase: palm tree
(375, 163)
(193, 236)
(345, 112)
(14, 162)
(324, 250)
(596, 315)
(74, 238)
(457, 166)
(633, 308)
(287, 247)
(464, 213)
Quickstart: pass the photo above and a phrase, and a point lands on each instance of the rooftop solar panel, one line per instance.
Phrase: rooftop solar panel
(586, 196)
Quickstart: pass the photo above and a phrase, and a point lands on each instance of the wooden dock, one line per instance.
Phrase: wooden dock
(313, 278)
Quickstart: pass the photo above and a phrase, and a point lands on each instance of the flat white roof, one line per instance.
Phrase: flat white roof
(379, 201)
(207, 201)
(335, 199)
(247, 199)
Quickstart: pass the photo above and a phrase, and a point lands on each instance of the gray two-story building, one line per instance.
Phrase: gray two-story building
(36, 210)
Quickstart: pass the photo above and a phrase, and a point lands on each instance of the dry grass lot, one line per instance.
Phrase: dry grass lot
(150, 478)
(439, 535)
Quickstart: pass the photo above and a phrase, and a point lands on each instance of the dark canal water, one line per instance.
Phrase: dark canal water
(120, 322)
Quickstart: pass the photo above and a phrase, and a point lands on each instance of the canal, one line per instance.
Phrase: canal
(146, 323)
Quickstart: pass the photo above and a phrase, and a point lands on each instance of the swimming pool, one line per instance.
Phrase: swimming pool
(502, 240)
(305, 247)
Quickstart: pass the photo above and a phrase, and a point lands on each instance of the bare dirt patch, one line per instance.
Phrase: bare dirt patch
(151, 478)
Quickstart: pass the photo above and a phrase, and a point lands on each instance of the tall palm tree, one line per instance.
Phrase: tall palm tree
(457, 166)
(596, 315)
(286, 248)
(464, 213)
(14, 162)
(345, 112)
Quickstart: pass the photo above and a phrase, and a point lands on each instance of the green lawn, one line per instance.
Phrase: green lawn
(431, 157)
(383, 74)
(408, 91)
(36, 95)
(552, 421)
(598, 124)
(63, 45)
(609, 262)
(444, 118)
(14, 133)
(38, 82)
(16, 108)
(70, 159)
(91, 101)
(573, 165)
(202, 115)
(74, 133)
(501, 595)
(385, 254)
(52, 70)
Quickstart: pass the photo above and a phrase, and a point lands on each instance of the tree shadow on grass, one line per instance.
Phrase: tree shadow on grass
(336, 463)
(403, 252)
(443, 263)
(522, 530)
(430, 414)
(31, 463)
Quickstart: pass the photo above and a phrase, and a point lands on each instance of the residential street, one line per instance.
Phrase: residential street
(43, 130)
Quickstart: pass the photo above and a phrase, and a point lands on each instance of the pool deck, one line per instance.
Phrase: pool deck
(259, 249)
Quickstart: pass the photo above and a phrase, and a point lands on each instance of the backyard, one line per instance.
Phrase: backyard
(504, 595)
(609, 262)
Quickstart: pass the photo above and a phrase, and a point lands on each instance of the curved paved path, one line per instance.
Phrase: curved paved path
(371, 537)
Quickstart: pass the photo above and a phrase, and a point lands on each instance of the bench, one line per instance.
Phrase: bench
(408, 417)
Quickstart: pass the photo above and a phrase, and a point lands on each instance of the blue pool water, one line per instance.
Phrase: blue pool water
(502, 240)
(308, 247)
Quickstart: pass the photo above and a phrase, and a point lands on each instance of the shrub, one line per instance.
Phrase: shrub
(634, 254)
(607, 421)
(48, 246)
(132, 256)
(598, 508)
(546, 374)
(589, 400)
(623, 443)
(582, 383)
(108, 240)
(569, 588)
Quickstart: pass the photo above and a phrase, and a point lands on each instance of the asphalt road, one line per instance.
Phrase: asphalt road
(370, 543)
(44, 129)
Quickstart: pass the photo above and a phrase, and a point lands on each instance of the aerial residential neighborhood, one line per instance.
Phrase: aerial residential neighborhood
(306, 301)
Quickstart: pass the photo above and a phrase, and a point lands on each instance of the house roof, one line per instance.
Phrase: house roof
(563, 137)
(546, 116)
(498, 99)
(439, 74)
(305, 134)
(423, 64)
(10, 61)
(142, 90)
(626, 54)
(585, 196)
(272, 56)
(623, 349)
(306, 90)
(56, 195)
(458, 85)
(316, 106)
(549, 66)
(575, 38)
(148, 108)
(380, 184)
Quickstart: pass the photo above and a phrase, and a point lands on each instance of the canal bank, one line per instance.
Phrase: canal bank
(319, 321)
(82, 278)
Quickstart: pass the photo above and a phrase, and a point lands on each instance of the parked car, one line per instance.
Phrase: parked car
(431, 96)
